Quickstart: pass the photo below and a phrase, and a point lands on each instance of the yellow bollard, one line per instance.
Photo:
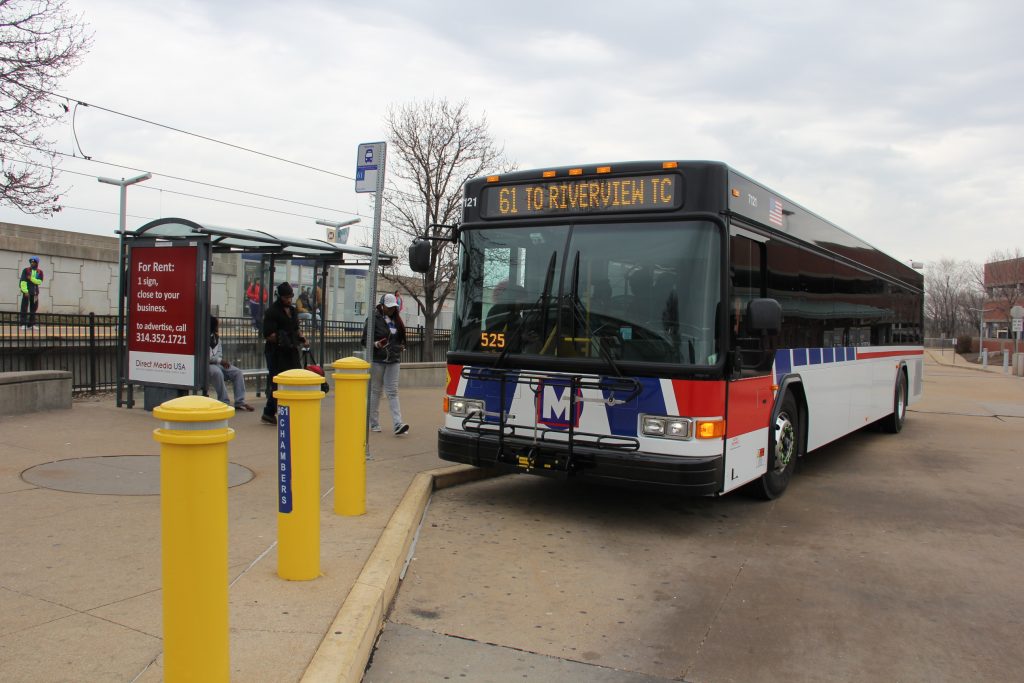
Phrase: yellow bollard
(351, 380)
(298, 478)
(194, 536)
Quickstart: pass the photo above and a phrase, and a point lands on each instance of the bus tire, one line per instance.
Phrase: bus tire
(783, 450)
(893, 423)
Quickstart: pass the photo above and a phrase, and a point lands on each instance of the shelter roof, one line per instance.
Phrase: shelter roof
(253, 241)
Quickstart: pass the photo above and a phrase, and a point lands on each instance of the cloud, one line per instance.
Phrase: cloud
(902, 122)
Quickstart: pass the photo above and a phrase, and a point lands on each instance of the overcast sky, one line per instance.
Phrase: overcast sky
(899, 121)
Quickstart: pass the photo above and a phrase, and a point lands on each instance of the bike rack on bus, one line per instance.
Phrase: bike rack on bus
(617, 391)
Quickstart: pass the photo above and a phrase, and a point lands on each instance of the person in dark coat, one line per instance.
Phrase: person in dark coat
(283, 341)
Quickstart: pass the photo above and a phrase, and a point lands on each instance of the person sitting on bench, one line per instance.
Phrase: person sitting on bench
(221, 369)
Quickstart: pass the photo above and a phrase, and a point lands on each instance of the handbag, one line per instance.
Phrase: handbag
(309, 362)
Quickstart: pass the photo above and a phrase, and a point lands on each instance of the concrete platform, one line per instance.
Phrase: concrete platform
(80, 596)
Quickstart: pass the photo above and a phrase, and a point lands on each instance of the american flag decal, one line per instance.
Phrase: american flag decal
(775, 211)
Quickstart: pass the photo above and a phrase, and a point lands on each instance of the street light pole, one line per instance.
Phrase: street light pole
(123, 184)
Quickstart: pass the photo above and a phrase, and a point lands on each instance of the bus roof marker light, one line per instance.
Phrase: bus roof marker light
(575, 171)
(604, 169)
(493, 178)
(735, 192)
(670, 164)
(548, 174)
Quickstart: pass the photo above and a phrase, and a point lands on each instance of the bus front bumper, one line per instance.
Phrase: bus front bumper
(695, 476)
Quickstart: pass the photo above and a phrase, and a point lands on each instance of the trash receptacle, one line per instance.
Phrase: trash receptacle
(154, 396)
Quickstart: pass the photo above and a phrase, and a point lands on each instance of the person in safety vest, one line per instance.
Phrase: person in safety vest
(31, 279)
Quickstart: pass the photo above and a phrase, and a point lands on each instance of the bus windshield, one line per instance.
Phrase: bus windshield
(645, 292)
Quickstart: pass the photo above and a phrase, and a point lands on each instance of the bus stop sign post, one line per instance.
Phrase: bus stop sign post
(370, 159)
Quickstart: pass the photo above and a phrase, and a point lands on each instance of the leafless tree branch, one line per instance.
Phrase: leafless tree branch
(40, 43)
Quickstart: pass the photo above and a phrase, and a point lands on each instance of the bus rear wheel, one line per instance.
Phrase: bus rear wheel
(783, 451)
(893, 424)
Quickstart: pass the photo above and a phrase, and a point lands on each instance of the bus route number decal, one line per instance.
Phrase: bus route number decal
(492, 340)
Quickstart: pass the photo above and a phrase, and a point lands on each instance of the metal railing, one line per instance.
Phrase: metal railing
(86, 345)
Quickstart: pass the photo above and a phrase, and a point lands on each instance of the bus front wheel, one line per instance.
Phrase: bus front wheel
(783, 450)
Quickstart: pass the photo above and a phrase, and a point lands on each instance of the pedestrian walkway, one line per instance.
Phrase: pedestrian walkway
(951, 358)
(80, 585)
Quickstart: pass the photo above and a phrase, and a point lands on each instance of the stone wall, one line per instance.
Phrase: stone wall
(81, 272)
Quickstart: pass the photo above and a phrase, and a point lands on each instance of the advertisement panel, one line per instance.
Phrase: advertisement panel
(163, 298)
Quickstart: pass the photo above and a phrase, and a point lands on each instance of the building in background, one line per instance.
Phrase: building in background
(1004, 289)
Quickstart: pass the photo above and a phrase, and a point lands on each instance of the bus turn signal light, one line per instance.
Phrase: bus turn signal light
(710, 429)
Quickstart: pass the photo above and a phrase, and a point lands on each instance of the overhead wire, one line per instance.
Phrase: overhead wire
(207, 138)
(194, 196)
(197, 135)
(196, 182)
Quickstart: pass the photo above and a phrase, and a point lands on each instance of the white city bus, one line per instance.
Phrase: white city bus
(672, 325)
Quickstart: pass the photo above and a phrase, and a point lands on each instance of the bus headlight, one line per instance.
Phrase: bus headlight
(461, 407)
(666, 426)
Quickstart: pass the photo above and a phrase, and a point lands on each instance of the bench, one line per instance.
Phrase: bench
(260, 374)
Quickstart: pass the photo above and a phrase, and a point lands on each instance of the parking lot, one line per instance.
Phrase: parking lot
(890, 558)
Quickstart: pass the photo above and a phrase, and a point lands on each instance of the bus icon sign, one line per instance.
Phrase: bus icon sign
(369, 162)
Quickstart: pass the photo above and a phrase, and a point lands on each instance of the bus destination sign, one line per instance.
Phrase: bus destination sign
(582, 196)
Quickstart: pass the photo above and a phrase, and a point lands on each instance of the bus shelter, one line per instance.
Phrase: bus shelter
(166, 271)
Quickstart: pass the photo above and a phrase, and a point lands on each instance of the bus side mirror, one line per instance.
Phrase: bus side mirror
(419, 255)
(764, 316)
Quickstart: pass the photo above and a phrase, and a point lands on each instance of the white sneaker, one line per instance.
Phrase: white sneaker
(23, 327)
(374, 428)
(401, 428)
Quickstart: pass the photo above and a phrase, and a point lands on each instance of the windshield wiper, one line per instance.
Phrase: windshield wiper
(542, 304)
(579, 316)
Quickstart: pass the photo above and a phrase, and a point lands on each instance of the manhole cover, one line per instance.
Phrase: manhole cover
(116, 475)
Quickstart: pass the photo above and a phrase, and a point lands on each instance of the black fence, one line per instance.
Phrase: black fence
(86, 345)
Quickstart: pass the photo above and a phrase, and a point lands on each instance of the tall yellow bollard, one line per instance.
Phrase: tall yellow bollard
(194, 536)
(352, 376)
(298, 478)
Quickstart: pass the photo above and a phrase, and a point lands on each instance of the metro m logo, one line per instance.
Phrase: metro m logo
(554, 404)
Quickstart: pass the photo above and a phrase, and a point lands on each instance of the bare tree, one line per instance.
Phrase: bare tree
(947, 286)
(40, 43)
(434, 147)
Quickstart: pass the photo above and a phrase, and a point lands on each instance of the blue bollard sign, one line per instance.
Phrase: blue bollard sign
(284, 459)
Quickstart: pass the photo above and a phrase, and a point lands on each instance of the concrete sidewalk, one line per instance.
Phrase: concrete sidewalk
(948, 358)
(80, 585)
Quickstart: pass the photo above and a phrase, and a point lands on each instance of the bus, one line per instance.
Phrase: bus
(672, 325)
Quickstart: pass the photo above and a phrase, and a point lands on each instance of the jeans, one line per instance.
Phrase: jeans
(384, 376)
(217, 374)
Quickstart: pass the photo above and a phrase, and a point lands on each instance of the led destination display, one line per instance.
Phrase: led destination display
(582, 195)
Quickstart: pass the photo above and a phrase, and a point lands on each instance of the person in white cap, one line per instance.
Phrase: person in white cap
(388, 344)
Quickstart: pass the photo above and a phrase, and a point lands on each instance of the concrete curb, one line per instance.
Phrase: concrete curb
(345, 650)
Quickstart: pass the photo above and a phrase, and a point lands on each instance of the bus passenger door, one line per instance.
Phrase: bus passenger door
(749, 397)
